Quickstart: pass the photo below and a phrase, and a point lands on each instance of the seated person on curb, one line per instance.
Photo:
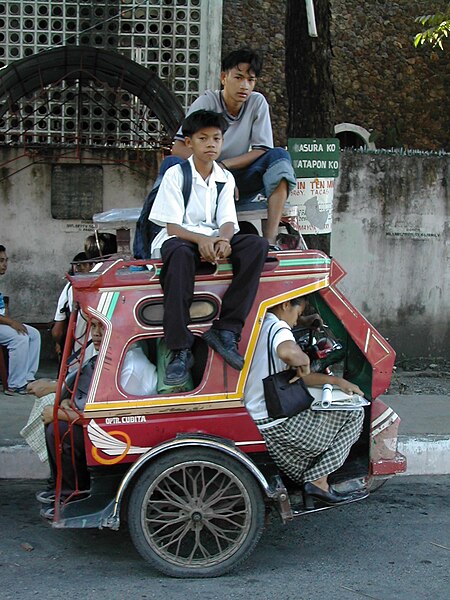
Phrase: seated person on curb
(138, 377)
(23, 343)
(247, 150)
(205, 229)
(312, 444)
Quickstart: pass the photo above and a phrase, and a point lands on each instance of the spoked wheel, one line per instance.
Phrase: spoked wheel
(196, 513)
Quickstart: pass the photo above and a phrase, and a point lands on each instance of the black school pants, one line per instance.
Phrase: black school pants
(181, 259)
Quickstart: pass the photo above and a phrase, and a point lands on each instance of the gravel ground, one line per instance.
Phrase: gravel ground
(421, 376)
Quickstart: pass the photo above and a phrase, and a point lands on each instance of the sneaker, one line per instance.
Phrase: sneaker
(46, 497)
(48, 513)
(225, 343)
(13, 391)
(177, 370)
(275, 248)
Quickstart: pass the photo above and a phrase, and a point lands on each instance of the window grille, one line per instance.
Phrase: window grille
(161, 35)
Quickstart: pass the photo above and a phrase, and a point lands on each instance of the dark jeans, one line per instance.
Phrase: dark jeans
(181, 258)
(260, 177)
(75, 475)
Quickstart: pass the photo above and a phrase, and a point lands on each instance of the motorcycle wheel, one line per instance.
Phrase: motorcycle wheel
(196, 513)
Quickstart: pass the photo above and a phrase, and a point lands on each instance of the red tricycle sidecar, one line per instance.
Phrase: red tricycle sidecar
(189, 470)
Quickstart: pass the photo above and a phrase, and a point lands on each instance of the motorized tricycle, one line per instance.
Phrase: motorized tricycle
(188, 471)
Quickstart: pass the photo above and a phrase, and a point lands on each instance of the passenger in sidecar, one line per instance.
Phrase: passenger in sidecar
(310, 445)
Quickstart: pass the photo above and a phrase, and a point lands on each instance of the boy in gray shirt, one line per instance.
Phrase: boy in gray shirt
(248, 150)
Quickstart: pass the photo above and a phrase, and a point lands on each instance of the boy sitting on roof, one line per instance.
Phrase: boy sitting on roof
(205, 228)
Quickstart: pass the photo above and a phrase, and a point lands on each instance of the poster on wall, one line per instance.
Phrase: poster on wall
(314, 201)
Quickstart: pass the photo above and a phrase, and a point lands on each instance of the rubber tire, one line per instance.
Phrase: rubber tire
(179, 458)
(375, 484)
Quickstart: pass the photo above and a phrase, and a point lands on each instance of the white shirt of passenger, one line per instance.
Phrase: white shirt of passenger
(138, 376)
(254, 399)
(65, 301)
(205, 213)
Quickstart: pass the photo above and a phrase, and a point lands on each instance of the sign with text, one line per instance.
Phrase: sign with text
(314, 157)
(314, 201)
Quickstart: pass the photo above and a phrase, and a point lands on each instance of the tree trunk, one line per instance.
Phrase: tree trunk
(312, 102)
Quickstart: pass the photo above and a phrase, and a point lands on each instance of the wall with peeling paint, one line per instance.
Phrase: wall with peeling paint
(40, 247)
(390, 232)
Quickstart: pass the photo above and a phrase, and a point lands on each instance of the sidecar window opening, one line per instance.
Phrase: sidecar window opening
(149, 346)
(203, 310)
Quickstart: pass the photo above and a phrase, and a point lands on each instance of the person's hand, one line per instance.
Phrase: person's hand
(349, 388)
(47, 415)
(41, 387)
(310, 321)
(206, 248)
(303, 370)
(19, 327)
(222, 247)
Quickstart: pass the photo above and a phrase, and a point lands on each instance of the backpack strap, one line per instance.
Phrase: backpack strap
(187, 184)
(187, 181)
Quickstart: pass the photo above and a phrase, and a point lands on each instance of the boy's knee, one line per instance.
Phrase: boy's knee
(274, 154)
(20, 341)
(183, 252)
(255, 244)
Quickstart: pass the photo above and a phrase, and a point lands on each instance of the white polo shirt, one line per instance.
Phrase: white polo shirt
(254, 399)
(205, 213)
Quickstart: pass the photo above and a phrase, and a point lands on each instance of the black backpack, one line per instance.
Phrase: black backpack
(146, 230)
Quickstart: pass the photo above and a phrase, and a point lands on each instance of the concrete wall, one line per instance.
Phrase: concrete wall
(40, 247)
(390, 232)
(390, 229)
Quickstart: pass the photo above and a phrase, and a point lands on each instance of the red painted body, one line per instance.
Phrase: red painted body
(120, 428)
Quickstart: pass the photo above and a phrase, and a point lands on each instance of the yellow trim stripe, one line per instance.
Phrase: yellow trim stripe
(216, 398)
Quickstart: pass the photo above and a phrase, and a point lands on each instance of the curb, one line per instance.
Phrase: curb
(425, 455)
(20, 462)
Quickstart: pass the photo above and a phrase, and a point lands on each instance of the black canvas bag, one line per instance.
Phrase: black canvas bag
(283, 399)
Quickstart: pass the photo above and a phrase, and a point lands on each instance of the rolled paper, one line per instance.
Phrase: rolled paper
(327, 395)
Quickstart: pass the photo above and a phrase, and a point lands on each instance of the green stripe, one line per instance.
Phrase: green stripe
(224, 267)
(296, 262)
(112, 305)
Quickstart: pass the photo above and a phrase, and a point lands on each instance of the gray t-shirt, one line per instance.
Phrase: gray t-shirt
(251, 129)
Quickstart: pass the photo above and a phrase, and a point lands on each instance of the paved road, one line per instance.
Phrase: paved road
(393, 546)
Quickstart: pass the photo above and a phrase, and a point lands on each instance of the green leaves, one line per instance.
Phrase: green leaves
(437, 29)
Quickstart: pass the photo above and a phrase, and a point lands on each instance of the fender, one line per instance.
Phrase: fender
(219, 444)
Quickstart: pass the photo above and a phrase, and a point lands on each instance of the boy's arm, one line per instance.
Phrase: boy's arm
(180, 149)
(169, 202)
(242, 161)
(237, 162)
(222, 242)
